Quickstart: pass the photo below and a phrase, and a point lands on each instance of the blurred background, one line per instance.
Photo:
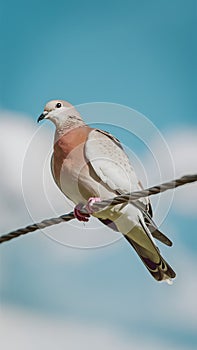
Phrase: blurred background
(139, 54)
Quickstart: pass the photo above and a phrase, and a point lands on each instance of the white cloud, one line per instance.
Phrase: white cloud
(183, 147)
(185, 296)
(23, 330)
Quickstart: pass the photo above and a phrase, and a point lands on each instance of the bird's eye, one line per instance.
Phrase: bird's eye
(58, 105)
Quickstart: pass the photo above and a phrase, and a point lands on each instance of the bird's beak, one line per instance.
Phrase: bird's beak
(42, 116)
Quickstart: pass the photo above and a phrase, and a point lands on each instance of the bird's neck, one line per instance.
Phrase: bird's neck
(65, 127)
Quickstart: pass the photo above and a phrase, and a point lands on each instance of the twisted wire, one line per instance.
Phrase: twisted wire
(125, 198)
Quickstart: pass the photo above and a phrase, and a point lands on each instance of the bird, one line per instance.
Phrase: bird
(90, 165)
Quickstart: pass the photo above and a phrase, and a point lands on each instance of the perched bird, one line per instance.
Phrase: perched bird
(89, 165)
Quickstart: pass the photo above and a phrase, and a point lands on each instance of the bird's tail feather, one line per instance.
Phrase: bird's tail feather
(141, 240)
(148, 252)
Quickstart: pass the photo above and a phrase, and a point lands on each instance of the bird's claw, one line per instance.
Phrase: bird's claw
(90, 203)
(79, 215)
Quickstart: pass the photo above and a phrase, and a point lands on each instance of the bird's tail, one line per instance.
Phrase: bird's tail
(141, 241)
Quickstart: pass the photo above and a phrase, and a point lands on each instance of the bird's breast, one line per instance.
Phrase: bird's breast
(70, 168)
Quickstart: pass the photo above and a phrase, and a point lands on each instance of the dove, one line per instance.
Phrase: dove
(90, 165)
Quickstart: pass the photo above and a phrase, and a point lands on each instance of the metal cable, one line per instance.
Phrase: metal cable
(125, 198)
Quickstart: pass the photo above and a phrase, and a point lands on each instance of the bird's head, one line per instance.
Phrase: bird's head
(61, 113)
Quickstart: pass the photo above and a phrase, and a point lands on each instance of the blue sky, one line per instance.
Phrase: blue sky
(137, 53)
(140, 54)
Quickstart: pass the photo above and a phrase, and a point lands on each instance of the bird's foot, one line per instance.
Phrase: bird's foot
(91, 202)
(79, 215)
(85, 216)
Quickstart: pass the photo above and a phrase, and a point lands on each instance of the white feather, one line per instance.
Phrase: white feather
(110, 162)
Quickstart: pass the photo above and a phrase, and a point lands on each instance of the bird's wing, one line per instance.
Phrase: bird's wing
(110, 162)
(112, 166)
